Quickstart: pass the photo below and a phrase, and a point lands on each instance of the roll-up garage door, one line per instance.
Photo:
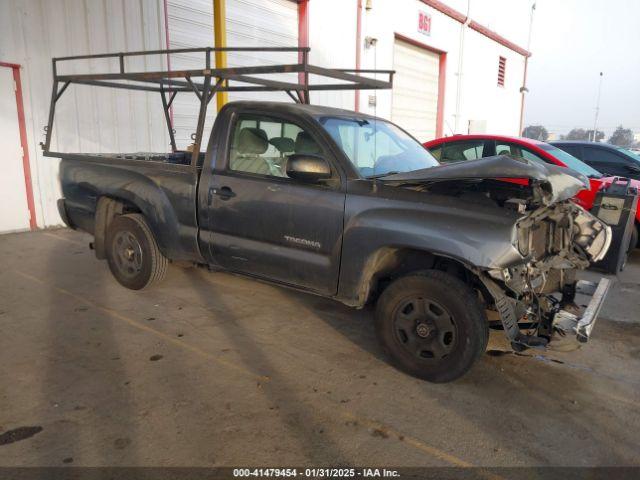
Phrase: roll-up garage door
(415, 90)
(250, 23)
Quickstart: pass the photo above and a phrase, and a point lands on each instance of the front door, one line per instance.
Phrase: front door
(261, 222)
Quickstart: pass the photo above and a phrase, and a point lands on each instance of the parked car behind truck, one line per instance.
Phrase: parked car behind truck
(604, 157)
(293, 194)
(467, 147)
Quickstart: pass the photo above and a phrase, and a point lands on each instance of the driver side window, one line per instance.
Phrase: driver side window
(261, 145)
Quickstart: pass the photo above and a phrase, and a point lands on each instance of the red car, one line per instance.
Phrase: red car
(470, 147)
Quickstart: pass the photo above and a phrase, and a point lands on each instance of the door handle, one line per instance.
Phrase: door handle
(225, 193)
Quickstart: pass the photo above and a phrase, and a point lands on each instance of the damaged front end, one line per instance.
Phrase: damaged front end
(533, 282)
(539, 293)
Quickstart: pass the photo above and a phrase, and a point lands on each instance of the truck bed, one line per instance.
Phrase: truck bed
(163, 187)
(180, 157)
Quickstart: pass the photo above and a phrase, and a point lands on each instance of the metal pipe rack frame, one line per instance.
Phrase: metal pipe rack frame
(168, 83)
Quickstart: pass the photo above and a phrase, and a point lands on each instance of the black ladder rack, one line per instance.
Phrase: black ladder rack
(208, 81)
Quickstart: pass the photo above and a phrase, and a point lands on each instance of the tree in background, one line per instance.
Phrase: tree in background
(582, 134)
(599, 135)
(622, 137)
(537, 132)
(577, 134)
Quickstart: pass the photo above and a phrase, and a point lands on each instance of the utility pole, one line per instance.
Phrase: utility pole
(595, 121)
(459, 86)
(524, 89)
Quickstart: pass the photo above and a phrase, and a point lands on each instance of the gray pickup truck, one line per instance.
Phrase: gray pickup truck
(351, 207)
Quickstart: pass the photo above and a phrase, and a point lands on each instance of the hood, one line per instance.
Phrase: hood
(556, 183)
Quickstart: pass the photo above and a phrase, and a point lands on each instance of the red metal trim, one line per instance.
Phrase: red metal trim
(26, 166)
(461, 17)
(502, 70)
(442, 78)
(9, 65)
(303, 34)
(418, 44)
(358, 46)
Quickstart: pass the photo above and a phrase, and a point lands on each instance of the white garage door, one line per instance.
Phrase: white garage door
(14, 212)
(250, 23)
(415, 90)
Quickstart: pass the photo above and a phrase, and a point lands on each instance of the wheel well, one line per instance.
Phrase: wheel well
(389, 264)
(107, 209)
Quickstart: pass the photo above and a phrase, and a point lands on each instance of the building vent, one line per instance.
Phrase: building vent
(502, 65)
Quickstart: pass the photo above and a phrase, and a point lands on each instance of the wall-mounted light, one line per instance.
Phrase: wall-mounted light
(368, 5)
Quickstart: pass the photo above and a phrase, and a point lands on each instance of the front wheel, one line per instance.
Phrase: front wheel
(132, 252)
(431, 325)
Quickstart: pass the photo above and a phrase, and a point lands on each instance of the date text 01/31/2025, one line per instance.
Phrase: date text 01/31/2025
(316, 472)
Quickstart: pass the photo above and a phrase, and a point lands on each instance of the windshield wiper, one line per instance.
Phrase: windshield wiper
(380, 175)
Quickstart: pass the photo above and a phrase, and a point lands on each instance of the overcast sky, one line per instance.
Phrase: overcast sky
(574, 40)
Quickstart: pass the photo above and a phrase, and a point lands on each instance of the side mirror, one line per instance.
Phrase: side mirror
(307, 168)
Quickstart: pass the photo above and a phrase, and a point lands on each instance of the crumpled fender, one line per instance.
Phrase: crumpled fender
(557, 183)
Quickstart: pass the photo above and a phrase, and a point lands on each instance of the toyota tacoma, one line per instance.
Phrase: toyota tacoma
(351, 207)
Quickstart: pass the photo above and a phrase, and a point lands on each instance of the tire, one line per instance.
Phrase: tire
(132, 252)
(432, 326)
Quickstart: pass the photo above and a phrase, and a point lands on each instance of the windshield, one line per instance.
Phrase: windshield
(377, 147)
(633, 155)
(572, 162)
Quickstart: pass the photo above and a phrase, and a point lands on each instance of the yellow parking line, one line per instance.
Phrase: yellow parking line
(141, 326)
(372, 424)
(433, 451)
(418, 444)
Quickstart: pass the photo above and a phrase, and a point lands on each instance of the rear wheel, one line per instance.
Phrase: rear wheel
(132, 253)
(432, 325)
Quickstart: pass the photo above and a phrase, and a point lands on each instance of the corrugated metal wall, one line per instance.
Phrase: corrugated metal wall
(250, 23)
(332, 38)
(190, 25)
(88, 119)
(91, 120)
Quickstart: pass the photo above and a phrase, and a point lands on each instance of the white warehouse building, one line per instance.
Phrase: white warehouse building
(454, 72)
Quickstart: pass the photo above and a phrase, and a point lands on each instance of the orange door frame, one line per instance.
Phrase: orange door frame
(26, 167)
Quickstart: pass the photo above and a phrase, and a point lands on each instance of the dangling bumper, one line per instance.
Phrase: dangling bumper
(578, 327)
